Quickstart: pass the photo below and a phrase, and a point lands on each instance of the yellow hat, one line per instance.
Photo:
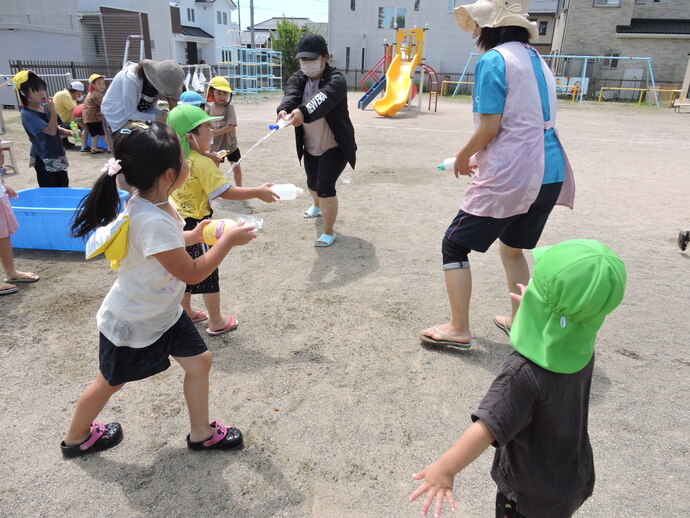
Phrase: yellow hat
(220, 83)
(111, 241)
(20, 78)
(93, 77)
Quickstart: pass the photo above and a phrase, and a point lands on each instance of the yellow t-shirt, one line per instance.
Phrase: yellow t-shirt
(204, 183)
(64, 104)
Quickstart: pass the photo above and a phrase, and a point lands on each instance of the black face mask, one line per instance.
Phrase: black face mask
(148, 96)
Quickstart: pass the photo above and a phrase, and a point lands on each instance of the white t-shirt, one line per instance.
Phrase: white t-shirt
(145, 300)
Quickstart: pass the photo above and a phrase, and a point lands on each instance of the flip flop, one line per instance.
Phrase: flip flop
(7, 289)
(325, 240)
(102, 437)
(25, 277)
(223, 438)
(230, 326)
(312, 212)
(446, 340)
(97, 152)
(500, 322)
(199, 316)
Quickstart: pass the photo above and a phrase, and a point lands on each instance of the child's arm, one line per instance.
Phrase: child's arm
(193, 271)
(263, 193)
(438, 477)
(52, 127)
(229, 128)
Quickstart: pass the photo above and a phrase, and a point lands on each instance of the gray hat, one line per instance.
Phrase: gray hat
(76, 85)
(165, 76)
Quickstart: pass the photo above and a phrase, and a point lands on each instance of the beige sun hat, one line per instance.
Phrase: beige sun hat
(496, 13)
(165, 76)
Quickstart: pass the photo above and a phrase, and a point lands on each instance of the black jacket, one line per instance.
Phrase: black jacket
(329, 101)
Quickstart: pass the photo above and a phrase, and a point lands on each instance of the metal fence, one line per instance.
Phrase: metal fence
(58, 74)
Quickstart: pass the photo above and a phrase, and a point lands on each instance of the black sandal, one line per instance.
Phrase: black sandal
(223, 438)
(102, 437)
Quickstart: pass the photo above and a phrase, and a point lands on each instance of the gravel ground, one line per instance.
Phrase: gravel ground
(326, 377)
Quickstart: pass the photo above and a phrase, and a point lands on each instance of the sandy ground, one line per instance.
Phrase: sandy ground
(326, 377)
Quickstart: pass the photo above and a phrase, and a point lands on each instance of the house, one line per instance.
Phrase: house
(659, 29)
(198, 28)
(360, 28)
(265, 31)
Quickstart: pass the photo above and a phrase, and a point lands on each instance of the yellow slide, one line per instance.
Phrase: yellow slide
(399, 75)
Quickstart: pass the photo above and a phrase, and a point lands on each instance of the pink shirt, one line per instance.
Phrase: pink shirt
(510, 168)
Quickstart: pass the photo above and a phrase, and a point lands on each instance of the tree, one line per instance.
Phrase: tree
(286, 39)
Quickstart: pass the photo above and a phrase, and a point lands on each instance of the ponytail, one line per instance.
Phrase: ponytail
(98, 208)
(144, 152)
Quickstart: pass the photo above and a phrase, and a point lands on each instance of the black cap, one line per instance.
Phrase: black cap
(311, 46)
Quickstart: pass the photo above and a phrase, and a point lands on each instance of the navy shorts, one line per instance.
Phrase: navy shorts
(210, 284)
(122, 364)
(323, 171)
(520, 231)
(234, 156)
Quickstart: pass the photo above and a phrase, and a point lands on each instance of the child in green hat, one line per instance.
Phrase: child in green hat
(535, 412)
(192, 200)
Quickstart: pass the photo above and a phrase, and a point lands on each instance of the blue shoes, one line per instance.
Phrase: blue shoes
(325, 240)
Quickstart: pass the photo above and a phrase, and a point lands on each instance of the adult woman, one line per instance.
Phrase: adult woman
(135, 90)
(522, 171)
(315, 102)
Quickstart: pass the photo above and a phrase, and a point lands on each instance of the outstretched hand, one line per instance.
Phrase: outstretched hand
(518, 297)
(437, 483)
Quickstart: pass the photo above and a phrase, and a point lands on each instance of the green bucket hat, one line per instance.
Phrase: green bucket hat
(183, 118)
(574, 285)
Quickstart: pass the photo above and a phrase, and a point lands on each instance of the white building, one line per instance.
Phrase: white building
(199, 27)
(359, 28)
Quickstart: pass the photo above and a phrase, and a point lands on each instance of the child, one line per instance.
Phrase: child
(140, 321)
(78, 117)
(39, 118)
(192, 200)
(92, 110)
(65, 102)
(224, 135)
(8, 225)
(193, 98)
(535, 412)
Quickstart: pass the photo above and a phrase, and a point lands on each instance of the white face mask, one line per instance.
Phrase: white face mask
(312, 69)
(197, 143)
(80, 98)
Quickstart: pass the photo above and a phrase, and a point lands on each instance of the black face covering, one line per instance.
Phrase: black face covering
(148, 96)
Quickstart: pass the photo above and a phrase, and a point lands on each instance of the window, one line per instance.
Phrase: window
(392, 17)
(190, 14)
(607, 3)
(219, 17)
(640, 1)
(416, 5)
(352, 5)
(225, 18)
(347, 59)
(451, 5)
(659, 1)
(542, 28)
(611, 62)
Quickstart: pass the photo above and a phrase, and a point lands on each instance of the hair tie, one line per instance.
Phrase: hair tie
(112, 167)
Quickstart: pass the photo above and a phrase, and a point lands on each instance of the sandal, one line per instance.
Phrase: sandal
(325, 240)
(222, 439)
(199, 316)
(312, 212)
(103, 436)
(230, 326)
(97, 151)
(6, 289)
(500, 322)
(24, 277)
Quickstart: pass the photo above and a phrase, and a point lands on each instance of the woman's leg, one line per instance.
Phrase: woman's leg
(89, 405)
(329, 211)
(517, 272)
(330, 166)
(196, 394)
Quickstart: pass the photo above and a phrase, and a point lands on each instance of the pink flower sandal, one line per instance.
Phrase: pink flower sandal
(103, 437)
(223, 438)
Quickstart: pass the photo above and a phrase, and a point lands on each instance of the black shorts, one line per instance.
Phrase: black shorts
(95, 128)
(234, 156)
(519, 231)
(210, 284)
(323, 171)
(122, 364)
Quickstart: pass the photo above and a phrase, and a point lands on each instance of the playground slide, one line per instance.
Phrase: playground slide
(398, 83)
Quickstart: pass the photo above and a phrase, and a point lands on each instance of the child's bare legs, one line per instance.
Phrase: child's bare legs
(517, 272)
(329, 212)
(7, 258)
(237, 174)
(459, 288)
(216, 320)
(90, 404)
(196, 394)
(187, 305)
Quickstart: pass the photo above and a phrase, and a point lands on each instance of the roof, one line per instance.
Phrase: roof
(195, 31)
(272, 23)
(655, 26)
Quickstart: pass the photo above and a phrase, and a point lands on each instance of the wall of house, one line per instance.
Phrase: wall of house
(671, 9)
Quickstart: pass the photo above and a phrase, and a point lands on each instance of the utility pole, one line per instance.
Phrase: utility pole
(239, 22)
(251, 21)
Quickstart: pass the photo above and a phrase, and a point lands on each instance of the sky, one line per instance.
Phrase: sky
(317, 10)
